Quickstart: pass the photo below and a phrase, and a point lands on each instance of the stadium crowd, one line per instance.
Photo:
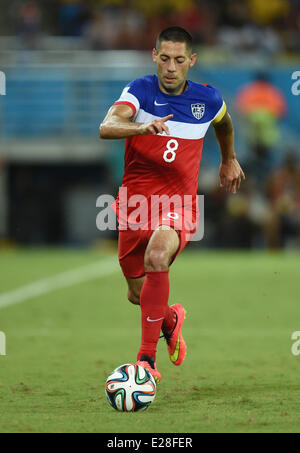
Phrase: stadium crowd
(259, 216)
(249, 25)
(266, 211)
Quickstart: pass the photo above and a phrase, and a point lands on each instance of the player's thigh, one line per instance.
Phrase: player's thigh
(132, 246)
(134, 289)
(162, 246)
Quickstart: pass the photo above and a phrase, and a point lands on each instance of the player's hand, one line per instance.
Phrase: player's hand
(156, 126)
(231, 175)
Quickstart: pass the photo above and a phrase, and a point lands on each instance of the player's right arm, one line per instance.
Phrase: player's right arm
(118, 124)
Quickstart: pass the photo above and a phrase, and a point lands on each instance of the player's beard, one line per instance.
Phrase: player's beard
(178, 89)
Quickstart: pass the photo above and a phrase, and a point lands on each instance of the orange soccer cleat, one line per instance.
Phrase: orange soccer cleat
(148, 363)
(175, 342)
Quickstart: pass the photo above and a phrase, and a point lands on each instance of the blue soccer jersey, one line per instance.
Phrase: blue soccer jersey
(161, 164)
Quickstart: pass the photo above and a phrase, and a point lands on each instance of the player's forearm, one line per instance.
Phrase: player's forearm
(225, 136)
(115, 128)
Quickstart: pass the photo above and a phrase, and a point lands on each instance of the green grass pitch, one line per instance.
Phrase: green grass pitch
(239, 374)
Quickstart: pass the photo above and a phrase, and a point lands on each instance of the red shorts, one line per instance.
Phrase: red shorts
(133, 244)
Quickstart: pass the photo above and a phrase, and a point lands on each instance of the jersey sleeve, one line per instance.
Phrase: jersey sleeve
(133, 95)
(218, 106)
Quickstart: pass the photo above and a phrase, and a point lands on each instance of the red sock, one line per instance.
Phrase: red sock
(170, 321)
(154, 301)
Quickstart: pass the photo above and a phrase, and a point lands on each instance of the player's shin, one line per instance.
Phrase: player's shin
(154, 302)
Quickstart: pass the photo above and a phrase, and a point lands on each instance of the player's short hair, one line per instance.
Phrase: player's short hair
(175, 34)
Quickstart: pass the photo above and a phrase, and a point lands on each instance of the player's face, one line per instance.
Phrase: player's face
(173, 61)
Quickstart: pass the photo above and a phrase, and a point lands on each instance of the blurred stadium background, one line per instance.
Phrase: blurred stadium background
(66, 61)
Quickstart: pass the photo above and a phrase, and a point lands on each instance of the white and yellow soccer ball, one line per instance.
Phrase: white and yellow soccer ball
(130, 388)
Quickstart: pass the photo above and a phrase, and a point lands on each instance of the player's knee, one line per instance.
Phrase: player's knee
(133, 297)
(157, 260)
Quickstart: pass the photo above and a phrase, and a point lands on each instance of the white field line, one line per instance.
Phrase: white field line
(65, 279)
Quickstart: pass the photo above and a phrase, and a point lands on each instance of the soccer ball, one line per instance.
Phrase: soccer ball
(130, 388)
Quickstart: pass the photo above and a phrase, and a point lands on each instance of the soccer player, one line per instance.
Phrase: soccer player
(164, 119)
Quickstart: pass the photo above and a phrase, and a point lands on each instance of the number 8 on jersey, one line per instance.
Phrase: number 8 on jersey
(169, 154)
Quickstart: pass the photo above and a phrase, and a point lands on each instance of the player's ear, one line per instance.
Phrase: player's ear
(154, 55)
(193, 59)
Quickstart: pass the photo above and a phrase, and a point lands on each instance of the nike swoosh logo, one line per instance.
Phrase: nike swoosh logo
(153, 320)
(175, 355)
(156, 103)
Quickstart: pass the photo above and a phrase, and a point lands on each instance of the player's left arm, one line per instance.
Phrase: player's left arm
(230, 171)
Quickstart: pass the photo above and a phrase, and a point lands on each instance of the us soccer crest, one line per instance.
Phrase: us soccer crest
(198, 110)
